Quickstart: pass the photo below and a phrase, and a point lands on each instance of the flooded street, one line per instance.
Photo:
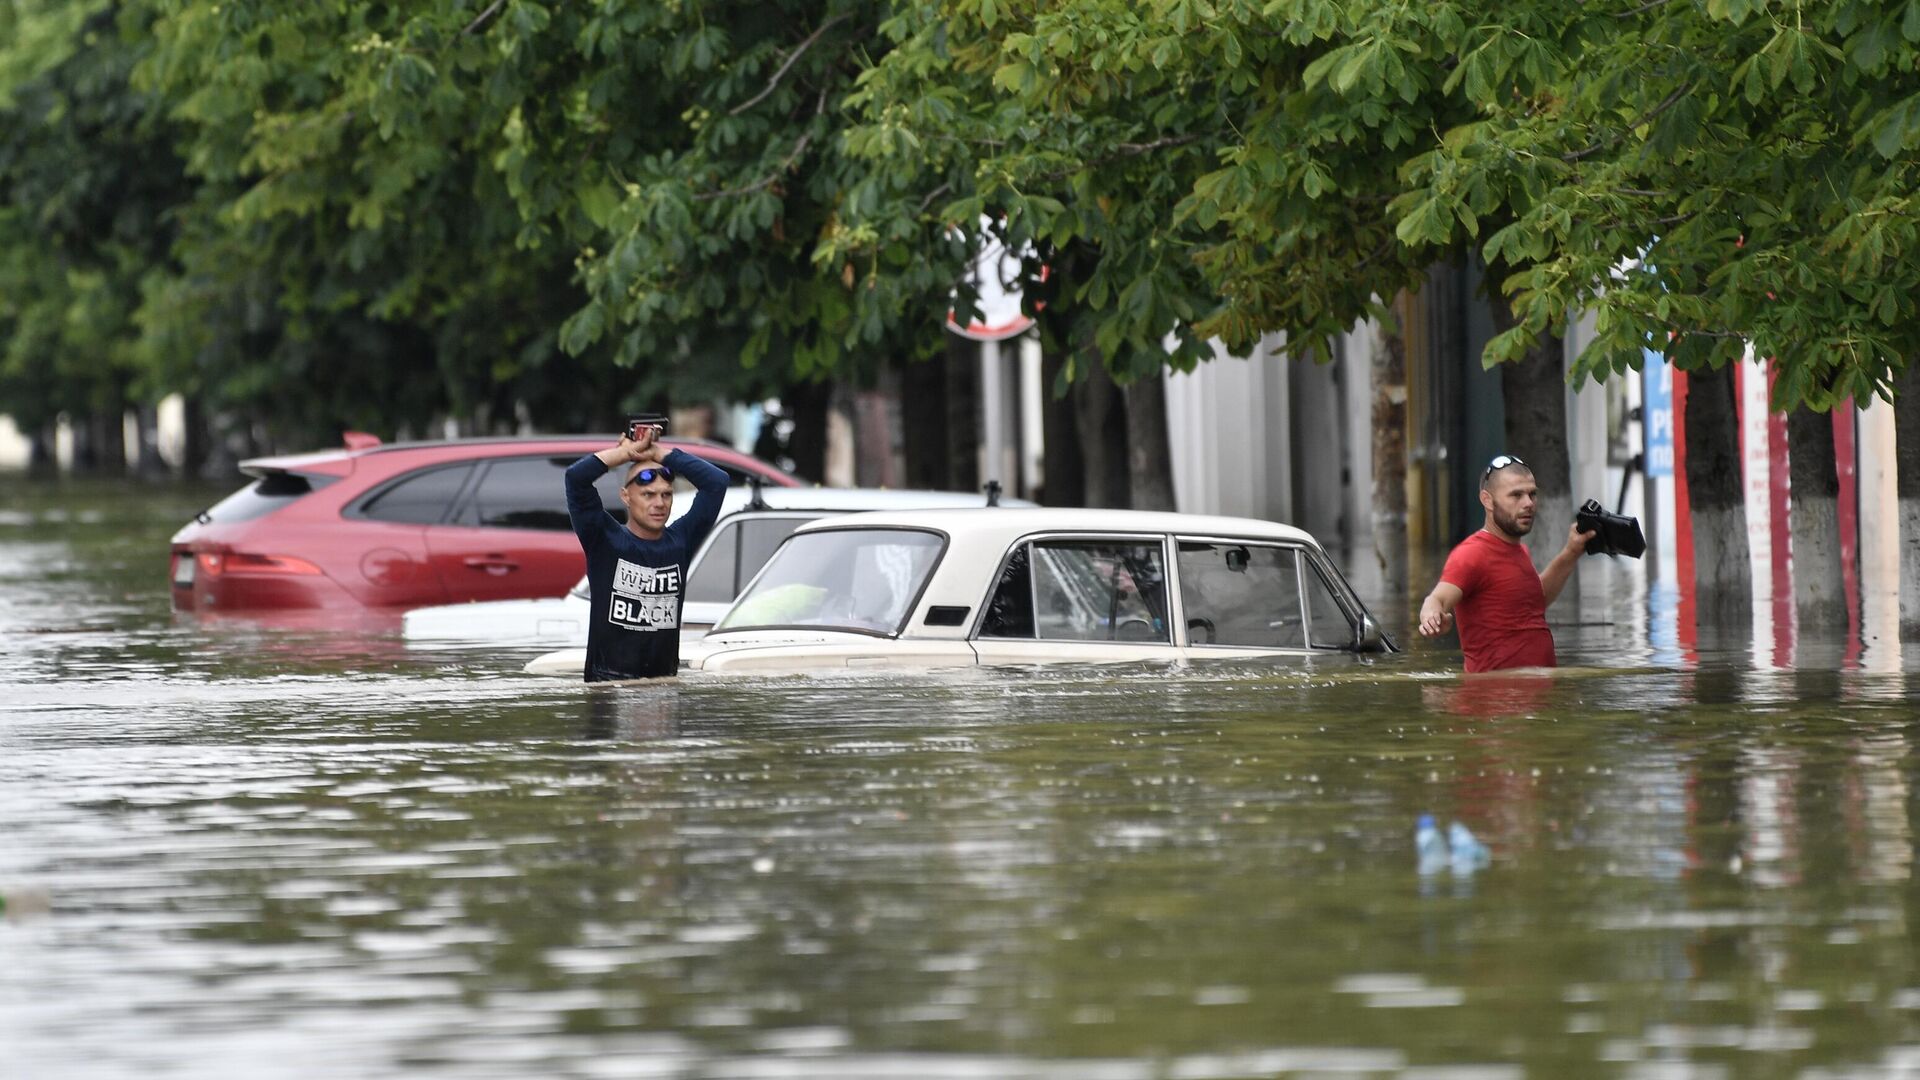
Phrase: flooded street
(235, 849)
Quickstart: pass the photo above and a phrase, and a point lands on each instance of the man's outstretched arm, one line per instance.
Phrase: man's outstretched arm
(1436, 611)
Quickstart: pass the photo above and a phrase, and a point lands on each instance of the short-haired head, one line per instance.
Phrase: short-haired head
(1505, 465)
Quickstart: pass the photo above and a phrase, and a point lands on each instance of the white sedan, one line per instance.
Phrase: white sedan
(942, 588)
(750, 527)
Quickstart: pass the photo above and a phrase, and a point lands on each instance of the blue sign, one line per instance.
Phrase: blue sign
(1656, 412)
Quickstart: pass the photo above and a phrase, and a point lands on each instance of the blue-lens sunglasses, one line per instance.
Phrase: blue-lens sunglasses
(648, 476)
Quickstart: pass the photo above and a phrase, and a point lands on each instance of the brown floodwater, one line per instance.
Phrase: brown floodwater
(253, 850)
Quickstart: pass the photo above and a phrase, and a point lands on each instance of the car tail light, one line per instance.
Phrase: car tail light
(241, 563)
(209, 562)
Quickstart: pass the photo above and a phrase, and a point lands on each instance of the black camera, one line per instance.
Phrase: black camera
(1614, 534)
(640, 420)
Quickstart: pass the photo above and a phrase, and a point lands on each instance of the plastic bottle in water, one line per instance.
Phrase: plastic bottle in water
(1469, 854)
(1429, 845)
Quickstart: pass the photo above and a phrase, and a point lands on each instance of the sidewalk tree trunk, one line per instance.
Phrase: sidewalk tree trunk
(1723, 578)
(923, 423)
(1063, 468)
(1389, 384)
(807, 405)
(1906, 435)
(1149, 451)
(1100, 415)
(1819, 590)
(1534, 391)
(961, 374)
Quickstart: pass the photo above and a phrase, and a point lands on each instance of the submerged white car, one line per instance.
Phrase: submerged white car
(751, 526)
(941, 588)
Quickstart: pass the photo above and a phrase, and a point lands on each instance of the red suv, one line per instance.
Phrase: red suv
(405, 525)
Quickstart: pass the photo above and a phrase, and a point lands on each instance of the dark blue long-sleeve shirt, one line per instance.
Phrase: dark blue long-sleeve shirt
(633, 622)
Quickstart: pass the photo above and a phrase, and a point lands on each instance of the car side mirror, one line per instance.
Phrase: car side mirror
(1367, 636)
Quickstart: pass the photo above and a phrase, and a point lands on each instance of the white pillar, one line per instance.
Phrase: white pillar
(1879, 537)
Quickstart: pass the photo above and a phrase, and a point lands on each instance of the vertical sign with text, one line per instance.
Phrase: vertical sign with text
(1656, 412)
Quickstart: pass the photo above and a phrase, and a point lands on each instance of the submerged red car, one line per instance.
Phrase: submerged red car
(405, 525)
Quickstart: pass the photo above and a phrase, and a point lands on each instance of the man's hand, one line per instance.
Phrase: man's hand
(645, 449)
(1577, 540)
(1434, 619)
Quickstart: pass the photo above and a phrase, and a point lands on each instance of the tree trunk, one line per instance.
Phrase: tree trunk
(1063, 469)
(1534, 390)
(1149, 457)
(197, 441)
(1819, 591)
(1100, 414)
(1722, 576)
(961, 373)
(43, 456)
(147, 459)
(1390, 453)
(807, 404)
(923, 424)
(1906, 443)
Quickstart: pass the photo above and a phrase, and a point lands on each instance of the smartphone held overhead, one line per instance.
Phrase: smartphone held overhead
(656, 421)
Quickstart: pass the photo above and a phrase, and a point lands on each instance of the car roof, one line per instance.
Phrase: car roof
(490, 446)
(856, 499)
(1001, 525)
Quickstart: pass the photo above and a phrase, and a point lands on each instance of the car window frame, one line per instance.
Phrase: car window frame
(356, 509)
(1304, 552)
(1175, 612)
(906, 618)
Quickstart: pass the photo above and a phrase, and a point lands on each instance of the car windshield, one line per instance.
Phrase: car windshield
(839, 579)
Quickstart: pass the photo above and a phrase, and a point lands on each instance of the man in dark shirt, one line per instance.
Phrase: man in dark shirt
(636, 573)
(1489, 579)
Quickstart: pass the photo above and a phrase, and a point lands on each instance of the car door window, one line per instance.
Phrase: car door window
(1328, 626)
(522, 493)
(1246, 595)
(758, 538)
(1091, 590)
(423, 498)
(712, 579)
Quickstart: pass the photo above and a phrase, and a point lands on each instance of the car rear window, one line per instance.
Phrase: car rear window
(263, 497)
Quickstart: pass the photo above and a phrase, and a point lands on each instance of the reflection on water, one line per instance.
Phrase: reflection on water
(262, 850)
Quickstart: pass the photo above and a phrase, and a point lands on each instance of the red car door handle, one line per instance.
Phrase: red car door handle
(492, 564)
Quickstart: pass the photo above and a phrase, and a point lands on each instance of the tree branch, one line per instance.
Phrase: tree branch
(1671, 100)
(764, 182)
(492, 10)
(782, 73)
(1133, 149)
(932, 195)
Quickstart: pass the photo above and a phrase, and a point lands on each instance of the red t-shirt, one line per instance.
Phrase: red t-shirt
(1502, 613)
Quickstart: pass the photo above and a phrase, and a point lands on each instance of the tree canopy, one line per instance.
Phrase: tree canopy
(370, 214)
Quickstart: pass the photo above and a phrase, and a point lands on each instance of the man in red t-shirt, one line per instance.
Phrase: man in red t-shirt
(1489, 580)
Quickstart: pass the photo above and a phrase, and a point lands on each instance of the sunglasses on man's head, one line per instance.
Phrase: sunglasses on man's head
(648, 476)
(1501, 461)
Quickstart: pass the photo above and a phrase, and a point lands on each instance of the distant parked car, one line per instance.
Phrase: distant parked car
(403, 525)
(946, 588)
(751, 525)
